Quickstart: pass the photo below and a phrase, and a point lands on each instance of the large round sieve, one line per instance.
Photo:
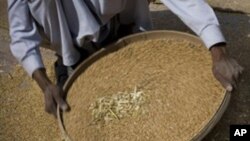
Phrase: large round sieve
(142, 37)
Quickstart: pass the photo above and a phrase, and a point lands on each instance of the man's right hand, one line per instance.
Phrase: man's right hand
(53, 94)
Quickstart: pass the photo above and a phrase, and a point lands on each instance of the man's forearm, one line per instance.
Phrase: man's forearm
(218, 51)
(41, 78)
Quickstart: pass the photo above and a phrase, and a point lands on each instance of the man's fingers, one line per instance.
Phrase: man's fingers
(229, 88)
(241, 69)
(62, 104)
(60, 101)
(51, 108)
(237, 67)
(234, 82)
(224, 82)
(54, 111)
(237, 72)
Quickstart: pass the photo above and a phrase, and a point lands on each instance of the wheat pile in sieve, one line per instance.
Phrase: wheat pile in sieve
(174, 81)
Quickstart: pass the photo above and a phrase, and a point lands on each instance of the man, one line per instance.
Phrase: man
(69, 26)
(78, 22)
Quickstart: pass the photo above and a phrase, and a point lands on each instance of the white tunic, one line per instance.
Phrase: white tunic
(66, 23)
(69, 23)
(200, 17)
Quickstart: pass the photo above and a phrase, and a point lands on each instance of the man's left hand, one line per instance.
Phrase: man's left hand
(225, 69)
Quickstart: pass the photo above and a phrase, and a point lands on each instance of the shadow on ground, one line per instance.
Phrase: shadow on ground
(235, 27)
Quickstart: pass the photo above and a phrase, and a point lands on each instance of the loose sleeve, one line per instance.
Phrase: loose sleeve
(25, 39)
(200, 17)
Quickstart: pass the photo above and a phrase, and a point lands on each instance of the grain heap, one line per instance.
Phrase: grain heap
(22, 115)
(176, 79)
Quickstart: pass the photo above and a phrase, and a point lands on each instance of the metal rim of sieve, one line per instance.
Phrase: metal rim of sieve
(156, 34)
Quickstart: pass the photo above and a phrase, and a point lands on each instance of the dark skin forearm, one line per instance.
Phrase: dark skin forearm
(41, 78)
(218, 51)
(53, 94)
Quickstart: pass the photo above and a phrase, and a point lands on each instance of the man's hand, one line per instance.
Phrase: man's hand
(53, 94)
(225, 69)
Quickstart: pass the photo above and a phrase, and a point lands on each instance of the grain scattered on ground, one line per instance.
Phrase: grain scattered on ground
(22, 115)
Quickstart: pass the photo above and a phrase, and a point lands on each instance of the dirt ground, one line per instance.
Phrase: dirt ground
(236, 28)
(236, 5)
